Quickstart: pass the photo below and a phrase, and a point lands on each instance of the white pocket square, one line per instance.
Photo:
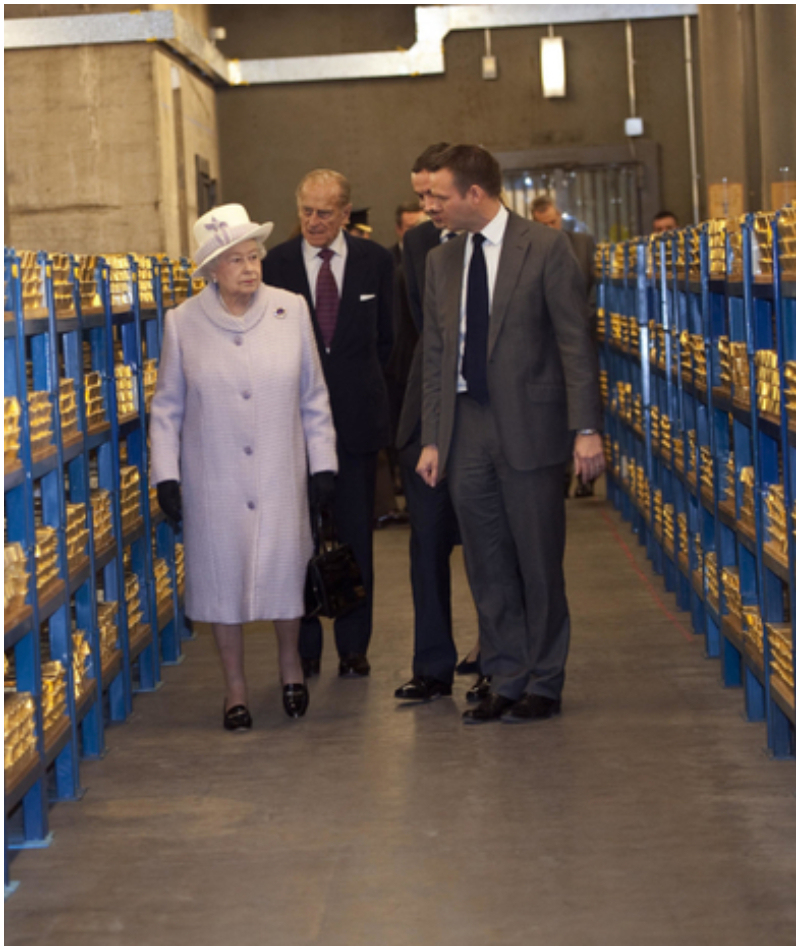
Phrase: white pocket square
(368, 296)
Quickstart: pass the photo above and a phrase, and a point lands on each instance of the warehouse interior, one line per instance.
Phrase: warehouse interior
(660, 808)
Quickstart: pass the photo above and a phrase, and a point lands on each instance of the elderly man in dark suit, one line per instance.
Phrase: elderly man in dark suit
(348, 285)
(544, 210)
(510, 388)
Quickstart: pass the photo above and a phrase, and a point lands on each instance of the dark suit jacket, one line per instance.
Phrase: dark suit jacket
(416, 244)
(542, 367)
(362, 343)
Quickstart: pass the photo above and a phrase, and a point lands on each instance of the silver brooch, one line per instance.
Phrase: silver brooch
(280, 314)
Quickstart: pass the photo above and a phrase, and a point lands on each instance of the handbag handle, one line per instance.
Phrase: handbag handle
(324, 531)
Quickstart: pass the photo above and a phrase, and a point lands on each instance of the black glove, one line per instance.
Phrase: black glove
(322, 488)
(169, 501)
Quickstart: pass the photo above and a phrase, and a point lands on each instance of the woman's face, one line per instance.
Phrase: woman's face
(238, 271)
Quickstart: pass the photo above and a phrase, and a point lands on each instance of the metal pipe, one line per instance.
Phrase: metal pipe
(689, 59)
(631, 64)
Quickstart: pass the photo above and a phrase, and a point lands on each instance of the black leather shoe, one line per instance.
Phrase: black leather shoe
(237, 719)
(480, 689)
(295, 700)
(310, 667)
(532, 707)
(468, 667)
(354, 665)
(489, 709)
(423, 689)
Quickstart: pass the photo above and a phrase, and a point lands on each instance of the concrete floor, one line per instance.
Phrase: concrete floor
(647, 814)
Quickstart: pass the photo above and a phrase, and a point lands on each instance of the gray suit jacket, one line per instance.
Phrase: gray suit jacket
(542, 365)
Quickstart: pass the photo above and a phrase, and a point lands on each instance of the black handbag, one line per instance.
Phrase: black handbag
(334, 585)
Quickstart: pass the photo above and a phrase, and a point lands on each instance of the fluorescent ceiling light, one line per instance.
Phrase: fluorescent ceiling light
(554, 70)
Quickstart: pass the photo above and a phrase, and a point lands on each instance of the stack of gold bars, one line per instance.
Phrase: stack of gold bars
(655, 428)
(735, 259)
(68, 407)
(102, 525)
(129, 497)
(790, 389)
(753, 629)
(679, 453)
(19, 729)
(15, 579)
(717, 260)
(725, 368)
(604, 386)
(150, 377)
(146, 283)
(747, 512)
(692, 251)
(668, 520)
(616, 329)
(711, 578)
(787, 224)
(641, 488)
(85, 268)
(601, 325)
(40, 415)
(780, 648)
(697, 343)
(762, 250)
(62, 284)
(163, 585)
(11, 412)
(691, 454)
(740, 374)
(133, 602)
(686, 356)
(120, 281)
(77, 535)
(54, 694)
(666, 436)
(180, 570)
(126, 391)
(728, 488)
(46, 554)
(776, 520)
(658, 512)
(31, 275)
(107, 624)
(93, 397)
(637, 415)
(768, 383)
(683, 537)
(706, 470)
(733, 597)
(81, 652)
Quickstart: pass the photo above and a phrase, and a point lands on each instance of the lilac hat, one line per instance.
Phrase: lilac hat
(222, 228)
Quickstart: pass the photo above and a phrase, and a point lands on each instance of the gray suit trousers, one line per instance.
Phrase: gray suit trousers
(513, 529)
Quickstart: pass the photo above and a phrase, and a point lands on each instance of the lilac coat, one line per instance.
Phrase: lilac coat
(240, 416)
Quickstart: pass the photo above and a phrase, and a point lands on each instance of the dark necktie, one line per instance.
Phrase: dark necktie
(327, 303)
(477, 336)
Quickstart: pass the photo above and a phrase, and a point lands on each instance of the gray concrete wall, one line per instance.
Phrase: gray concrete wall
(372, 130)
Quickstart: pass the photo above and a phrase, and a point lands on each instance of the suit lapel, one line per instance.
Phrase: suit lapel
(348, 304)
(297, 276)
(516, 247)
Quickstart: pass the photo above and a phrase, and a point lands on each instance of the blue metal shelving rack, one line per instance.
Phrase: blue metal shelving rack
(50, 342)
(678, 478)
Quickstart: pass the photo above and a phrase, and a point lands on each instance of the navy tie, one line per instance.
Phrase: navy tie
(327, 302)
(477, 336)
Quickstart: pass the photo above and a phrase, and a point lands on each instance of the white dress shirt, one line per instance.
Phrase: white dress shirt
(494, 232)
(313, 262)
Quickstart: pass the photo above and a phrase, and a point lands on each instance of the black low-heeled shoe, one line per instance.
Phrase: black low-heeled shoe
(295, 700)
(237, 718)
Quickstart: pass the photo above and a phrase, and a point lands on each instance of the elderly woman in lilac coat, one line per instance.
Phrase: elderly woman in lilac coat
(239, 419)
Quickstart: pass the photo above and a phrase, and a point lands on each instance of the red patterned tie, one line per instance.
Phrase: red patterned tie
(327, 298)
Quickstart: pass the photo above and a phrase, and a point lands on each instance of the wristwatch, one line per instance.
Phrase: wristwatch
(587, 432)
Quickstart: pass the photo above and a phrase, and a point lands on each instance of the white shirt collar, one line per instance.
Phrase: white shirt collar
(496, 228)
(338, 245)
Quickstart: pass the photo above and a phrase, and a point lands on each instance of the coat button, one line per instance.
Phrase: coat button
(248, 450)
(251, 505)
(246, 394)
(238, 340)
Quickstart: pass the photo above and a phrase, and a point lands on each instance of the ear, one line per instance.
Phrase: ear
(475, 194)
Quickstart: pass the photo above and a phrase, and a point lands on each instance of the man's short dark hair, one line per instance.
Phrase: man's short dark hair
(407, 207)
(665, 214)
(541, 203)
(472, 165)
(430, 155)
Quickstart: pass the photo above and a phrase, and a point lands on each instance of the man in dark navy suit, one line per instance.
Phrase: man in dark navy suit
(348, 285)
(434, 530)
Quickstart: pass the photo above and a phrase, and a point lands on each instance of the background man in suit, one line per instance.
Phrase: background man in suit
(544, 210)
(510, 377)
(434, 529)
(348, 285)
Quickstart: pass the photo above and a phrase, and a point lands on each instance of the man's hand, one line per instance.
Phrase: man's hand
(428, 465)
(588, 455)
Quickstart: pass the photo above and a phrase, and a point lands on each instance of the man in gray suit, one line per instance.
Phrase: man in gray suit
(544, 210)
(510, 388)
